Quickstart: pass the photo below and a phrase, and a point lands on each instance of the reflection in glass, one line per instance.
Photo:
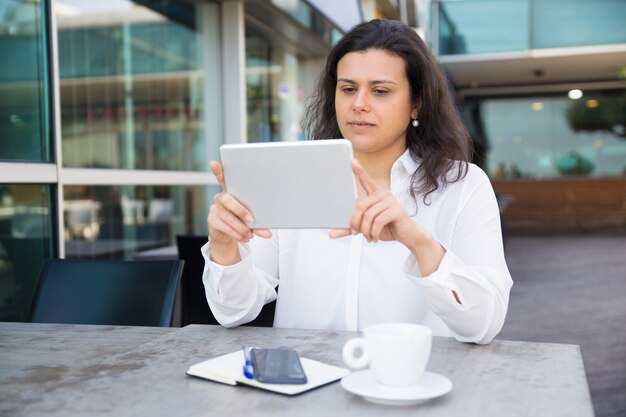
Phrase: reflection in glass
(26, 239)
(275, 95)
(481, 26)
(563, 137)
(310, 18)
(131, 85)
(115, 222)
(24, 118)
(563, 23)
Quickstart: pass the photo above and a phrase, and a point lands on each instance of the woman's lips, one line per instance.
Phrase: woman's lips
(358, 125)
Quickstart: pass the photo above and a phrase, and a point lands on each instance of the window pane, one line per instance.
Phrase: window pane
(553, 136)
(24, 118)
(26, 239)
(115, 222)
(562, 23)
(275, 92)
(131, 85)
(480, 26)
(477, 26)
(305, 14)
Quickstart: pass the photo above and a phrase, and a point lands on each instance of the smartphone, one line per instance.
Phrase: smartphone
(277, 366)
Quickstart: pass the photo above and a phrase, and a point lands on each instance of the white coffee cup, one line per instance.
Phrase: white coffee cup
(397, 353)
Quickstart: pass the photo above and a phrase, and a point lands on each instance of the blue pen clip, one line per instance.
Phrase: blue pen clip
(248, 369)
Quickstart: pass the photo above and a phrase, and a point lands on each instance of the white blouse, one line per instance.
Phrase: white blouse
(349, 283)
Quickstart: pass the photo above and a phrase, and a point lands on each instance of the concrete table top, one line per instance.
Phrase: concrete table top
(77, 370)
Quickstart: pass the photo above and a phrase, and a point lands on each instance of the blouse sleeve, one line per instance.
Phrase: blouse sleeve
(236, 293)
(474, 268)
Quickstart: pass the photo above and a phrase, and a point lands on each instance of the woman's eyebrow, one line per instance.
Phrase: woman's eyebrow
(374, 82)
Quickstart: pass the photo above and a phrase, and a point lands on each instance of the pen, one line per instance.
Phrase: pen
(248, 369)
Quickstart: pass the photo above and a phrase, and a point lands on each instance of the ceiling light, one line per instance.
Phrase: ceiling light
(537, 106)
(575, 94)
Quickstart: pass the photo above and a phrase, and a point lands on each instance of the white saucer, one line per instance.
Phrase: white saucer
(364, 383)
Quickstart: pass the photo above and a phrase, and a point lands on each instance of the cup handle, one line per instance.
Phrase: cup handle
(348, 353)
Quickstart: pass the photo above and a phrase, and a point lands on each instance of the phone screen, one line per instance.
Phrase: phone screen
(277, 366)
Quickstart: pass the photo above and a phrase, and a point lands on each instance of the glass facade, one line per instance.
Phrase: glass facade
(26, 239)
(480, 26)
(552, 135)
(115, 222)
(311, 19)
(483, 26)
(563, 23)
(275, 96)
(26, 210)
(132, 97)
(131, 88)
(24, 91)
(141, 93)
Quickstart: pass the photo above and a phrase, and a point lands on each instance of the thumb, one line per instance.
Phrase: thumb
(218, 171)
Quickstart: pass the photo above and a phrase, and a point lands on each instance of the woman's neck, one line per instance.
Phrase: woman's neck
(379, 166)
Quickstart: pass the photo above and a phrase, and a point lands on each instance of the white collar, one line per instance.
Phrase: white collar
(407, 162)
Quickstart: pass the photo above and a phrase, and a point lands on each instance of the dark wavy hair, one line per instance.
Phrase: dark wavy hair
(441, 141)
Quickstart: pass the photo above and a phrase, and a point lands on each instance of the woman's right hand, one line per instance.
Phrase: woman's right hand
(228, 219)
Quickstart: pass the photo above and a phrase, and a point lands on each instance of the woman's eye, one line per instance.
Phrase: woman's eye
(348, 90)
(380, 91)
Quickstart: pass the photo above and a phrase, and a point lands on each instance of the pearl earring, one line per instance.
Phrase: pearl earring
(415, 123)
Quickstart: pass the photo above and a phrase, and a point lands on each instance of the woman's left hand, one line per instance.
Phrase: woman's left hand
(378, 214)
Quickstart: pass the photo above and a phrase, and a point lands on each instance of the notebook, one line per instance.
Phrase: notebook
(228, 369)
(286, 185)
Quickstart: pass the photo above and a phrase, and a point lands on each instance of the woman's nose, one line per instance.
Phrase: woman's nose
(361, 102)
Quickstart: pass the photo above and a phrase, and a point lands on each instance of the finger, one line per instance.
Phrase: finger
(371, 215)
(265, 233)
(362, 205)
(227, 216)
(383, 219)
(218, 171)
(219, 225)
(393, 215)
(356, 218)
(230, 203)
(337, 233)
(365, 180)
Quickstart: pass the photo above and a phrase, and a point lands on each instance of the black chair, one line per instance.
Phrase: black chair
(126, 293)
(195, 309)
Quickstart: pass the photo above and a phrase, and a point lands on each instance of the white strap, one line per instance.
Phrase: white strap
(352, 282)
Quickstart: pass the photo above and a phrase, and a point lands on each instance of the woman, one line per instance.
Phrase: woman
(424, 243)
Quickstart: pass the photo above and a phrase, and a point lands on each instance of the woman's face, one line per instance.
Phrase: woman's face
(373, 102)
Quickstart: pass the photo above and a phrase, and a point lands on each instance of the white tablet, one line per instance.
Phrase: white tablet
(286, 185)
